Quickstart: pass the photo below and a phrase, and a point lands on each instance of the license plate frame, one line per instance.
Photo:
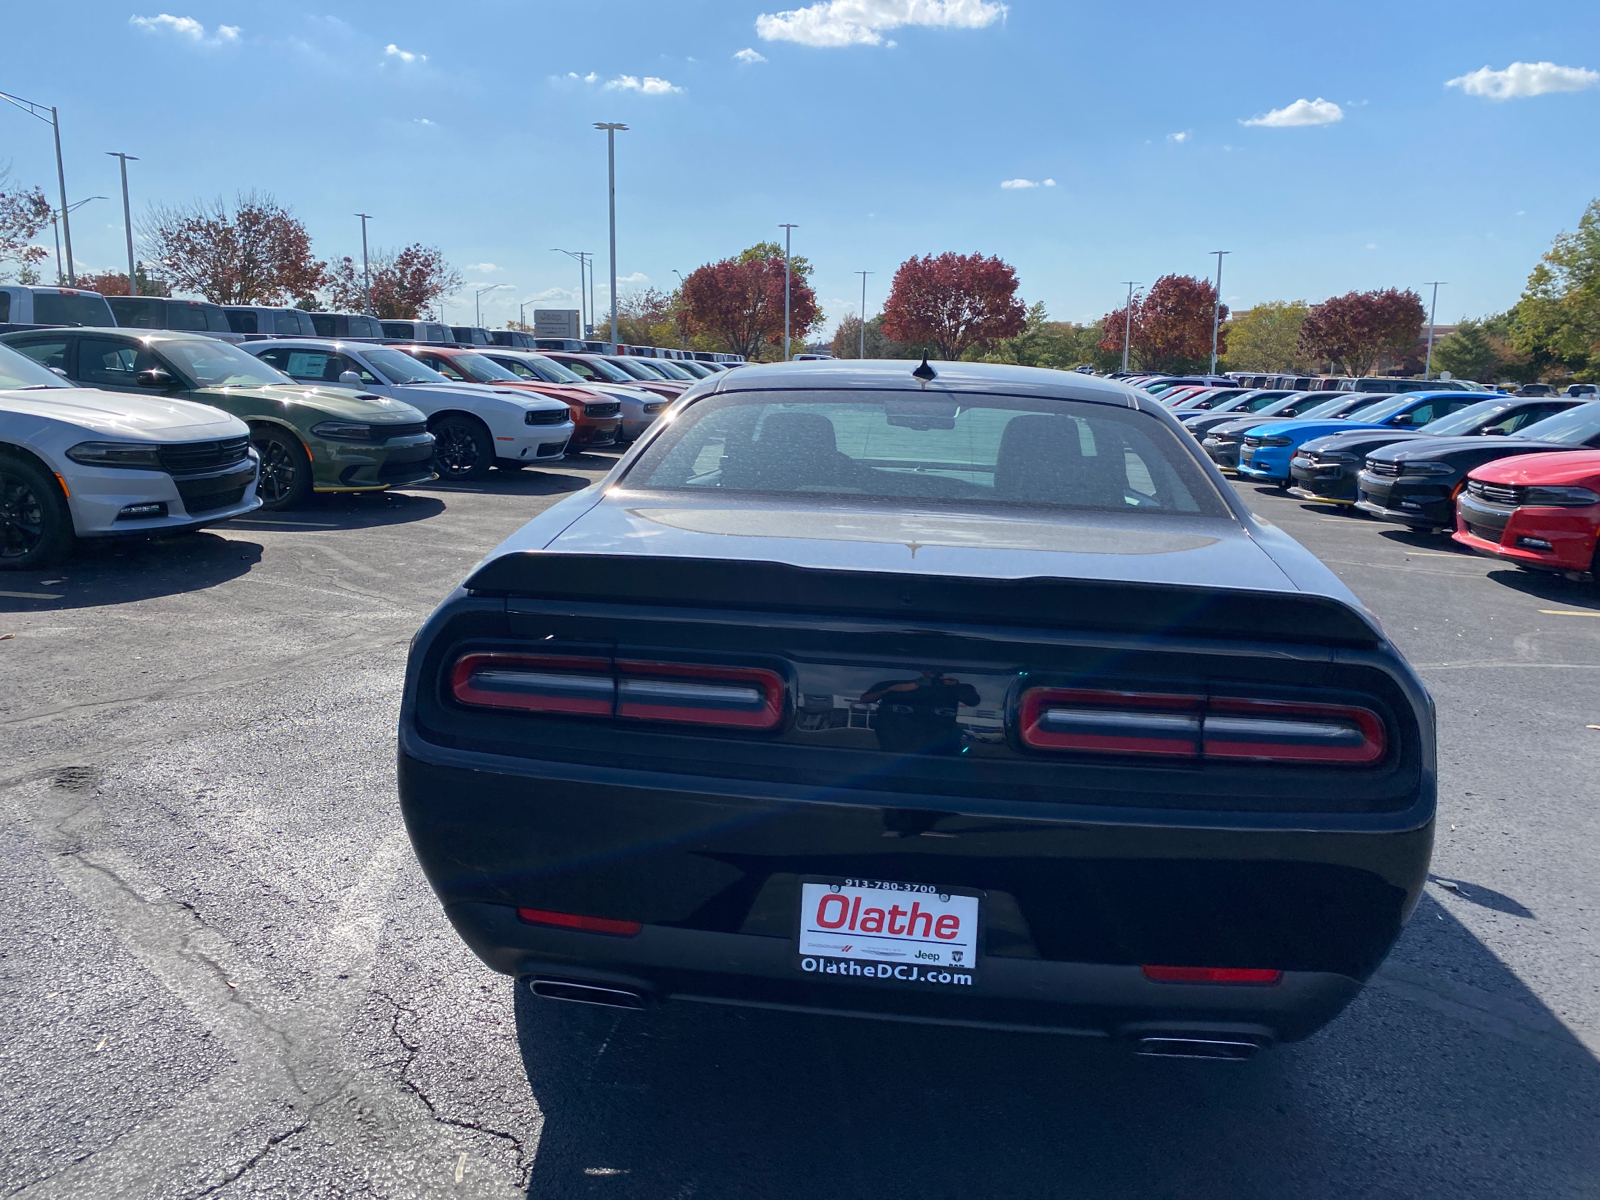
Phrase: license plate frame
(842, 939)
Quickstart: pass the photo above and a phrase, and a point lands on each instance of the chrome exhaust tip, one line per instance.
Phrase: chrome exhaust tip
(586, 993)
(1219, 1049)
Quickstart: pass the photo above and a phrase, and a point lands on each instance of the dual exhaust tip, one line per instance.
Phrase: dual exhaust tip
(1171, 1045)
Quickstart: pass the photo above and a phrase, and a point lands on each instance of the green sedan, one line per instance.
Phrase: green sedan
(323, 439)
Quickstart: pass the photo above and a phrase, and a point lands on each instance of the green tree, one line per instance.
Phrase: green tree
(847, 341)
(1267, 337)
(1467, 353)
(1557, 321)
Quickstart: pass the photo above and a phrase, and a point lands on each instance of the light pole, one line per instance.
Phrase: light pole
(582, 257)
(611, 128)
(787, 230)
(683, 328)
(38, 110)
(1216, 309)
(1433, 311)
(366, 272)
(1127, 323)
(55, 224)
(127, 218)
(477, 309)
(863, 351)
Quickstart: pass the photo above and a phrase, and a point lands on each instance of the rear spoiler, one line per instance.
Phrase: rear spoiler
(1078, 604)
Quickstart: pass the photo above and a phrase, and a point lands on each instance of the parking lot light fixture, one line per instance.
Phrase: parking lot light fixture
(477, 309)
(611, 128)
(1127, 323)
(38, 111)
(1433, 311)
(586, 320)
(127, 219)
(683, 327)
(864, 274)
(366, 273)
(55, 224)
(787, 230)
(1216, 309)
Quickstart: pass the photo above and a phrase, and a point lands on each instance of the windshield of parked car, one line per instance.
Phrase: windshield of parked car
(401, 368)
(1380, 411)
(18, 371)
(698, 370)
(976, 449)
(549, 370)
(639, 370)
(482, 370)
(1572, 428)
(213, 363)
(1467, 419)
(671, 369)
(599, 368)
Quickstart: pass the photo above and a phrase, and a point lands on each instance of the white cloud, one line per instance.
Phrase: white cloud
(1179, 138)
(1301, 112)
(863, 22)
(1018, 183)
(1372, 245)
(649, 85)
(425, 121)
(1049, 183)
(1521, 80)
(406, 56)
(485, 268)
(187, 28)
(748, 56)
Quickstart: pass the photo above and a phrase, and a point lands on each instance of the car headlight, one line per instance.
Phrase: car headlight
(655, 408)
(1561, 497)
(1427, 468)
(1276, 440)
(343, 431)
(134, 455)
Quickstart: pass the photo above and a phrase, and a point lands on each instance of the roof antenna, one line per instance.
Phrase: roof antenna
(925, 373)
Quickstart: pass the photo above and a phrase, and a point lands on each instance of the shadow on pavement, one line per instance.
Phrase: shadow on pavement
(343, 510)
(116, 572)
(1483, 897)
(1447, 1078)
(529, 482)
(1424, 540)
(1569, 593)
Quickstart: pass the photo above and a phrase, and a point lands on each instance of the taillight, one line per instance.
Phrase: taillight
(684, 693)
(561, 920)
(1200, 727)
(1255, 975)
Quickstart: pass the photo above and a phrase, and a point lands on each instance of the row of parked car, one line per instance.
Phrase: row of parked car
(1512, 475)
(109, 430)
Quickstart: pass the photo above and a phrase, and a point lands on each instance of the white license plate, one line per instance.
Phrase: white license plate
(910, 933)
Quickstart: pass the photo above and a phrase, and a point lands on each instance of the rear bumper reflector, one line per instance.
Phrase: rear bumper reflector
(540, 916)
(1254, 975)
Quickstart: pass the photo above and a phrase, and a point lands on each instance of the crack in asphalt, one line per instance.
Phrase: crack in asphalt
(272, 1144)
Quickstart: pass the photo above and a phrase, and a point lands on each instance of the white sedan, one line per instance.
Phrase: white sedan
(475, 426)
(83, 463)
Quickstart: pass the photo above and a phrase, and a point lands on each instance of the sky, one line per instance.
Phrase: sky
(1371, 145)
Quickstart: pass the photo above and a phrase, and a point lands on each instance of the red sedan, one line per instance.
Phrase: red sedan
(1540, 511)
(596, 419)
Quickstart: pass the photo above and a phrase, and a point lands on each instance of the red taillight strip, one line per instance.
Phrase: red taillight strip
(535, 683)
(561, 920)
(700, 694)
(1255, 975)
(1199, 727)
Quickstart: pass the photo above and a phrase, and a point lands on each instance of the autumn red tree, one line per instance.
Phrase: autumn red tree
(405, 283)
(115, 283)
(1359, 328)
(739, 302)
(1171, 325)
(24, 212)
(954, 302)
(256, 254)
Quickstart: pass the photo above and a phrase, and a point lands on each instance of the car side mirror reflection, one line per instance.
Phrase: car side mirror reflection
(153, 377)
(349, 379)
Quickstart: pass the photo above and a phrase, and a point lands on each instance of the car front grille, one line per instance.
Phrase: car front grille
(407, 464)
(196, 458)
(550, 449)
(1384, 468)
(215, 491)
(1496, 493)
(1484, 532)
(545, 416)
(388, 433)
(609, 409)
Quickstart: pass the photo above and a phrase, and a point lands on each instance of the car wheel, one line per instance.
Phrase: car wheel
(462, 448)
(35, 524)
(285, 479)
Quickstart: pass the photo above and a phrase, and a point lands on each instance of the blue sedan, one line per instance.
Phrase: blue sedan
(1267, 450)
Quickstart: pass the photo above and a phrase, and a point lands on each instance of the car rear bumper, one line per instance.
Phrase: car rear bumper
(1073, 906)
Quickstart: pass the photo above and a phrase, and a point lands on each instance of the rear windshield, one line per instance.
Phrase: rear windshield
(60, 308)
(894, 446)
(1573, 427)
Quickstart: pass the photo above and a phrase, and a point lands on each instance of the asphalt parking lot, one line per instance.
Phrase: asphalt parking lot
(223, 975)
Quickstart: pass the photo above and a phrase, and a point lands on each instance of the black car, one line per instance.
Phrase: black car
(349, 326)
(158, 312)
(1417, 483)
(959, 694)
(1238, 406)
(1288, 404)
(1223, 440)
(1325, 468)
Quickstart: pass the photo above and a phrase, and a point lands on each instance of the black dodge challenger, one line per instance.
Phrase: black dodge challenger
(961, 694)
